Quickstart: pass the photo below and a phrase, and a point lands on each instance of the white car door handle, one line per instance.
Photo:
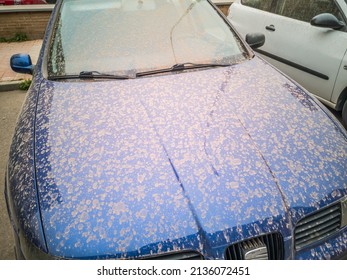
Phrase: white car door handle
(270, 27)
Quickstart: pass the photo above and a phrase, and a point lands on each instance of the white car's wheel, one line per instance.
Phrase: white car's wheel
(344, 114)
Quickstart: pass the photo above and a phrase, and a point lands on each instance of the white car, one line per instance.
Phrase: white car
(307, 40)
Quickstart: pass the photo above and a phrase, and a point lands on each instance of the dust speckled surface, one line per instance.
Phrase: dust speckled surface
(194, 160)
(181, 161)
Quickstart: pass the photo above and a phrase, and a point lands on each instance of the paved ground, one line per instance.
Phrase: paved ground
(10, 104)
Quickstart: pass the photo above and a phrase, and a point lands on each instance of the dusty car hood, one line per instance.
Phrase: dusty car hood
(194, 160)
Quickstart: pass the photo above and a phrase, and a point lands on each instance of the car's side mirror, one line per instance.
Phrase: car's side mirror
(21, 63)
(255, 40)
(327, 20)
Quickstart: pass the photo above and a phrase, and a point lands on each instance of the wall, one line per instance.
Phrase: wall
(29, 19)
(33, 24)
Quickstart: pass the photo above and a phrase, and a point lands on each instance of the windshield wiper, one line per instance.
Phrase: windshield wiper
(90, 75)
(180, 67)
(96, 74)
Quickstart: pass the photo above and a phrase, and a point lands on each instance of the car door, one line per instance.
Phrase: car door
(341, 80)
(248, 16)
(310, 55)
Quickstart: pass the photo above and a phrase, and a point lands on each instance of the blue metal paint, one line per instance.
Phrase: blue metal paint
(106, 145)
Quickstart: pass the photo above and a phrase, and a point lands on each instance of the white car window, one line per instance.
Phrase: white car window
(296, 9)
(306, 10)
(264, 5)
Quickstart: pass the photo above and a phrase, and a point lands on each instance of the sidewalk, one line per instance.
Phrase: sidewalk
(9, 79)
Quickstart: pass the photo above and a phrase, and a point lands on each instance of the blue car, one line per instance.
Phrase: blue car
(152, 131)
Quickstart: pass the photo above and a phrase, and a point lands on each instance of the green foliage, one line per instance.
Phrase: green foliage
(18, 37)
(25, 84)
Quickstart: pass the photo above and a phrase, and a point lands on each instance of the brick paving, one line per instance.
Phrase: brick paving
(8, 49)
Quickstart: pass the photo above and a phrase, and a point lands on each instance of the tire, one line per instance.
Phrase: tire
(344, 114)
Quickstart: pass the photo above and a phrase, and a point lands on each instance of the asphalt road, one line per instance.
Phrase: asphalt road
(10, 105)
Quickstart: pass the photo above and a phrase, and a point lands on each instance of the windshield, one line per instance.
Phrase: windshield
(130, 36)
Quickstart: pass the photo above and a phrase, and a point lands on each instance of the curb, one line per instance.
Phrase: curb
(9, 86)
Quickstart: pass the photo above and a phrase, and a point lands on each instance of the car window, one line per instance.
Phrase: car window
(296, 9)
(265, 5)
(306, 10)
(125, 37)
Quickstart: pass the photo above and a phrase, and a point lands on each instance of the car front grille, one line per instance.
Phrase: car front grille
(317, 226)
(183, 255)
(269, 246)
